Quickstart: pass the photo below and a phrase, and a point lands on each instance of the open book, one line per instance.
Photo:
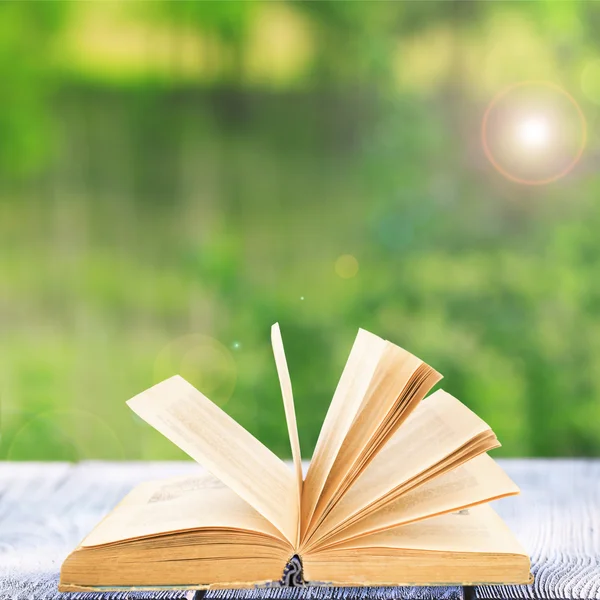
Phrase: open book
(395, 492)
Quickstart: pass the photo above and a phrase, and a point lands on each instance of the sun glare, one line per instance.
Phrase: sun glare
(534, 132)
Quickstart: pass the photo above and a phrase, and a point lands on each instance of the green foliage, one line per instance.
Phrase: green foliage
(26, 34)
(161, 227)
(228, 20)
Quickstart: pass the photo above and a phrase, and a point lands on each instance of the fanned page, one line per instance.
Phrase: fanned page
(191, 421)
(379, 388)
(478, 529)
(440, 434)
(288, 404)
(477, 481)
(346, 402)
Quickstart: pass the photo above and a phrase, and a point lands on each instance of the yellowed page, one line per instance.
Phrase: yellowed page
(346, 403)
(191, 421)
(477, 529)
(180, 503)
(436, 429)
(395, 386)
(399, 383)
(467, 548)
(477, 481)
(288, 403)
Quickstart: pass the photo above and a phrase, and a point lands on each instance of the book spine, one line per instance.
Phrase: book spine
(292, 574)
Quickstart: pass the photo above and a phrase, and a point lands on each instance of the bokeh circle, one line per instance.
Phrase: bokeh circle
(65, 434)
(550, 89)
(203, 361)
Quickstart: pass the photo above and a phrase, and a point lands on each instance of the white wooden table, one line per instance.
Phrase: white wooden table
(47, 508)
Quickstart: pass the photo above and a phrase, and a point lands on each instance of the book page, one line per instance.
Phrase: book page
(398, 383)
(437, 429)
(477, 529)
(192, 422)
(288, 403)
(178, 504)
(477, 481)
(466, 548)
(346, 402)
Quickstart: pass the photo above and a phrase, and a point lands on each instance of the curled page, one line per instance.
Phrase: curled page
(199, 427)
(477, 481)
(349, 395)
(380, 386)
(439, 434)
(288, 404)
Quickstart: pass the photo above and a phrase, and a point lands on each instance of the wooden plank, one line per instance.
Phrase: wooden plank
(557, 519)
(47, 508)
(22, 540)
(340, 593)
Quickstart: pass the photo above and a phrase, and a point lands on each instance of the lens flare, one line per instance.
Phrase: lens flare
(533, 132)
(204, 361)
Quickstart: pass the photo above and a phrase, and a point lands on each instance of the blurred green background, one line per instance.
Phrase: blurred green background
(177, 176)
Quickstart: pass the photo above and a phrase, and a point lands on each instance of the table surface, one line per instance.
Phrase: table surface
(47, 508)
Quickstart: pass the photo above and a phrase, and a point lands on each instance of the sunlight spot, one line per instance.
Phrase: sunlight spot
(346, 266)
(534, 132)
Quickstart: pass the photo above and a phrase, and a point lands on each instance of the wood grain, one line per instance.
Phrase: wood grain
(339, 593)
(557, 519)
(47, 508)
